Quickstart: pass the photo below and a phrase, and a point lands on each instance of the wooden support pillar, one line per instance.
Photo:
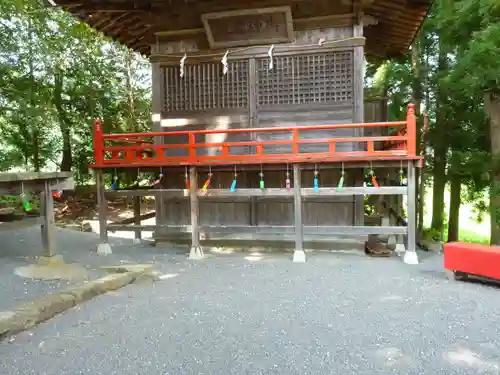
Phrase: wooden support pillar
(410, 256)
(103, 248)
(137, 219)
(299, 255)
(358, 113)
(48, 229)
(196, 251)
(157, 106)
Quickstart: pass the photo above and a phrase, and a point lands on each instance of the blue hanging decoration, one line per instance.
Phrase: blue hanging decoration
(116, 184)
(316, 180)
(232, 189)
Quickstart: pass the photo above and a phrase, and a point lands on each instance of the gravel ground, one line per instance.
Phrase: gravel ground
(19, 248)
(252, 314)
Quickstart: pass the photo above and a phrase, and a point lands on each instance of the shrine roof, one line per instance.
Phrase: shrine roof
(138, 24)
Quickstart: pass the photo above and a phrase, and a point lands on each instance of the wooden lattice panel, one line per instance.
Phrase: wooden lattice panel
(204, 86)
(306, 79)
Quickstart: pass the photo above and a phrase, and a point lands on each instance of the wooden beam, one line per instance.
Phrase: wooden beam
(275, 229)
(332, 20)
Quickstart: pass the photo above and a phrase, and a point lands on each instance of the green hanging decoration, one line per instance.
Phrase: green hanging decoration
(341, 181)
(25, 201)
(261, 174)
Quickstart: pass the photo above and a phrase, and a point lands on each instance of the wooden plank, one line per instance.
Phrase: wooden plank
(28, 176)
(289, 229)
(132, 220)
(264, 193)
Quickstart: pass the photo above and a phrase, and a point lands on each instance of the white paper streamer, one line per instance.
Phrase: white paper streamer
(182, 65)
(225, 68)
(271, 60)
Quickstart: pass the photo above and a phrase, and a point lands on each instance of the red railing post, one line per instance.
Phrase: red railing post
(411, 130)
(192, 148)
(98, 143)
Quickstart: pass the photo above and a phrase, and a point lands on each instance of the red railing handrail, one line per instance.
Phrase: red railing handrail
(256, 130)
(99, 142)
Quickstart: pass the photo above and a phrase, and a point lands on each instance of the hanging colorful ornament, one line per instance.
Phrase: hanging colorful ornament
(25, 201)
(232, 189)
(340, 185)
(207, 182)
(186, 178)
(160, 177)
(402, 179)
(316, 180)
(261, 174)
(373, 178)
(115, 185)
(57, 194)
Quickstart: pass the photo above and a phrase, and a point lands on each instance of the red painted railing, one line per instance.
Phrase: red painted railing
(138, 150)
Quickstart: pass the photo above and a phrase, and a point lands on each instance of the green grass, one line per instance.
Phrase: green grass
(470, 229)
(466, 235)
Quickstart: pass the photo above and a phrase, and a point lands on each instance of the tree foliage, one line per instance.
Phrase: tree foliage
(56, 76)
(458, 47)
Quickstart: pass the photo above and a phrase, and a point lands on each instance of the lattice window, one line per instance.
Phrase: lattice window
(305, 79)
(205, 87)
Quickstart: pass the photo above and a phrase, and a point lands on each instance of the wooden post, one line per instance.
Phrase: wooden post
(410, 256)
(411, 130)
(103, 248)
(48, 228)
(196, 251)
(137, 219)
(157, 106)
(358, 114)
(299, 256)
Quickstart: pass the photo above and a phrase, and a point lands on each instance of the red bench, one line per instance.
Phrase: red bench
(462, 259)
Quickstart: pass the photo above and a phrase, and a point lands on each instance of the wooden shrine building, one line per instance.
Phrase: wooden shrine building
(260, 105)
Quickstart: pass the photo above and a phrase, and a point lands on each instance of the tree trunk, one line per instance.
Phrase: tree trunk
(492, 109)
(421, 186)
(64, 124)
(439, 179)
(441, 145)
(455, 191)
(36, 150)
